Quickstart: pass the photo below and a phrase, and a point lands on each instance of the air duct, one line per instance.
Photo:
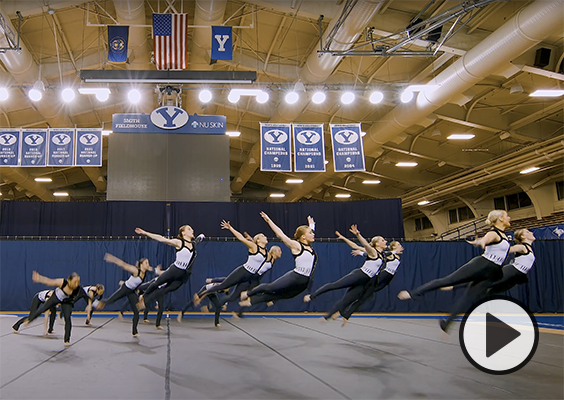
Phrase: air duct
(132, 12)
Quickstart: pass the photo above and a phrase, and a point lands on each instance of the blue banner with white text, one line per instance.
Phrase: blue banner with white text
(88, 148)
(275, 147)
(169, 119)
(34, 148)
(309, 148)
(9, 147)
(348, 152)
(60, 147)
(222, 43)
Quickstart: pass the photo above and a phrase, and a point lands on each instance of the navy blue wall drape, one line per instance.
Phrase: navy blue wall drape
(421, 262)
(119, 218)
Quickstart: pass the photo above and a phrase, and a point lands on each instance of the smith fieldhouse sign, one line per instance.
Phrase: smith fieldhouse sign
(170, 119)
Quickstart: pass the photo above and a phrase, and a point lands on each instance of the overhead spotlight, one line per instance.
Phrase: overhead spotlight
(102, 94)
(205, 96)
(423, 203)
(262, 97)
(376, 97)
(233, 97)
(133, 95)
(347, 98)
(406, 96)
(68, 95)
(36, 92)
(4, 94)
(318, 97)
(60, 194)
(292, 97)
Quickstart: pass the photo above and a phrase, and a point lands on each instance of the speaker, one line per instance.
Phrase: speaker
(542, 57)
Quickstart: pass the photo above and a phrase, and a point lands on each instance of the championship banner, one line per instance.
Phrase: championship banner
(88, 148)
(34, 147)
(309, 148)
(222, 43)
(348, 153)
(275, 147)
(60, 148)
(9, 147)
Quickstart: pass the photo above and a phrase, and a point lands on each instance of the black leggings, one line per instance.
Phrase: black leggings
(511, 277)
(172, 273)
(50, 304)
(238, 275)
(159, 296)
(124, 291)
(35, 304)
(287, 286)
(376, 284)
(476, 270)
(354, 278)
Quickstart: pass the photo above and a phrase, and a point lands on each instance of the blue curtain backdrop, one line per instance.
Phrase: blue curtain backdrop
(421, 262)
(119, 218)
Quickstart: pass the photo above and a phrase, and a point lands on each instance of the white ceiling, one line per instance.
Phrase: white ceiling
(282, 37)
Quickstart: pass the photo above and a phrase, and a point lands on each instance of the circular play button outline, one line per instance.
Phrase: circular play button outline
(499, 324)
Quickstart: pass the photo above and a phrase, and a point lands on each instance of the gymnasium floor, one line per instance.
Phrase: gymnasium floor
(277, 357)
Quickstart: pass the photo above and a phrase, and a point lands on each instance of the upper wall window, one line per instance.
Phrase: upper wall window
(460, 214)
(422, 223)
(560, 190)
(512, 201)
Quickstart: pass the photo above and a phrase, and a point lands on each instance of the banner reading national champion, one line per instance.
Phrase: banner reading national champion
(348, 152)
(309, 148)
(275, 147)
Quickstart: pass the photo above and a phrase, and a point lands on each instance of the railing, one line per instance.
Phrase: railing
(463, 231)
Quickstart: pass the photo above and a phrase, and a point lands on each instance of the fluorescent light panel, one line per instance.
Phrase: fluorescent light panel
(277, 195)
(233, 133)
(529, 170)
(547, 93)
(294, 180)
(60, 194)
(423, 203)
(371, 182)
(461, 136)
(343, 195)
(43, 180)
(406, 164)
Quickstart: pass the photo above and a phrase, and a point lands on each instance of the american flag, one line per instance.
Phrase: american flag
(169, 40)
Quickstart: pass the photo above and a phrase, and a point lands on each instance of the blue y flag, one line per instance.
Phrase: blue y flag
(222, 43)
(275, 147)
(348, 153)
(117, 43)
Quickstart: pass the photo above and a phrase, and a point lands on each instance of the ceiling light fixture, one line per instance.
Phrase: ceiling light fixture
(347, 97)
(371, 182)
(292, 97)
(376, 97)
(461, 136)
(318, 97)
(106, 132)
(36, 92)
(294, 180)
(343, 195)
(205, 96)
(529, 170)
(235, 95)
(134, 96)
(233, 133)
(102, 94)
(68, 95)
(423, 203)
(43, 180)
(167, 77)
(60, 194)
(547, 93)
(277, 195)
(4, 95)
(406, 164)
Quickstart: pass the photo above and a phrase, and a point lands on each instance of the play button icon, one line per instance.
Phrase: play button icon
(499, 335)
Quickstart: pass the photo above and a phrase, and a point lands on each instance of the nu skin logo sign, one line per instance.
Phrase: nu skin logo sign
(169, 117)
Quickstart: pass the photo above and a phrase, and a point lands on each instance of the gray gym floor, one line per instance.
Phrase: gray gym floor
(261, 358)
